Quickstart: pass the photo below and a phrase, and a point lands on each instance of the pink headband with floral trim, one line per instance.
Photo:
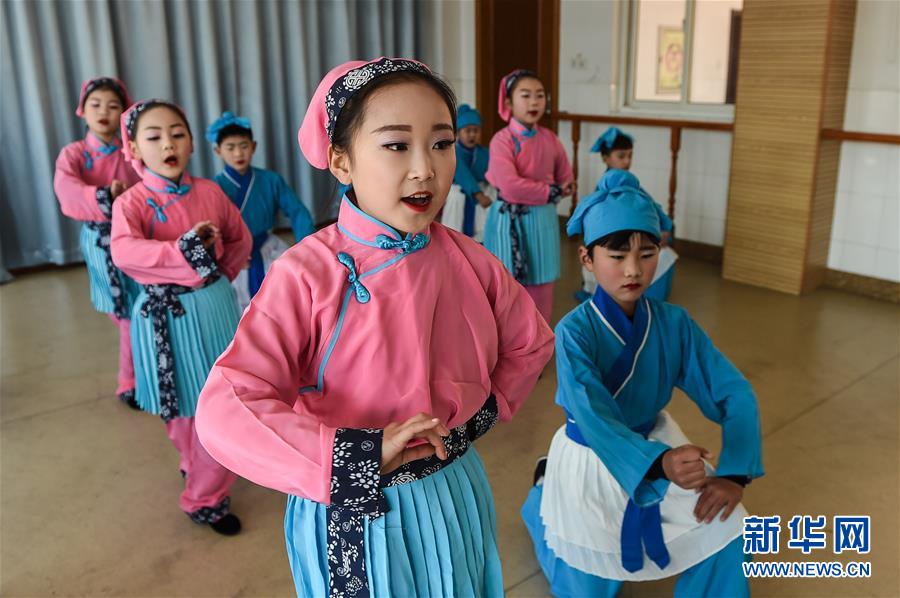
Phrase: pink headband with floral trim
(128, 121)
(506, 86)
(90, 85)
(333, 92)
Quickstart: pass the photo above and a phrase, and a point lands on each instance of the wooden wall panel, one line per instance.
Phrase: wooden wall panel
(792, 80)
(834, 101)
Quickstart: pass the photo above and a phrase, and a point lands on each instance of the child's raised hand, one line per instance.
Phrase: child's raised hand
(483, 200)
(717, 494)
(208, 232)
(117, 188)
(684, 465)
(397, 436)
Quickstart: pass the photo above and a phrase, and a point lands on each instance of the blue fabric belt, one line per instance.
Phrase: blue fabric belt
(641, 526)
(257, 269)
(469, 215)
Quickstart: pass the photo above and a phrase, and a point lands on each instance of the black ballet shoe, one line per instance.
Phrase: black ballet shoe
(540, 469)
(229, 525)
(127, 397)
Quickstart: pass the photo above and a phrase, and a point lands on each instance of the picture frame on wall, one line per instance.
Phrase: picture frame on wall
(670, 60)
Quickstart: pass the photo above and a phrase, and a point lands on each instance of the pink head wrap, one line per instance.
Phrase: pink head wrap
(332, 94)
(128, 124)
(91, 84)
(506, 86)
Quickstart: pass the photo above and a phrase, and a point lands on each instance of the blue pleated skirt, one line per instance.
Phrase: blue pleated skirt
(95, 259)
(198, 338)
(438, 539)
(540, 229)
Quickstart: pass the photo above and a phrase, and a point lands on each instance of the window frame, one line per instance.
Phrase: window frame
(626, 103)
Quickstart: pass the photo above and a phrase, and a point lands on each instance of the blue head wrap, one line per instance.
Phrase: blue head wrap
(467, 116)
(226, 120)
(606, 141)
(618, 204)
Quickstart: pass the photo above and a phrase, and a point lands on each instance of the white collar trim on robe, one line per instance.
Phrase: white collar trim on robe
(238, 185)
(606, 323)
(637, 355)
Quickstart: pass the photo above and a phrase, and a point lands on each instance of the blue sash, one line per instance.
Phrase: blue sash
(641, 526)
(257, 270)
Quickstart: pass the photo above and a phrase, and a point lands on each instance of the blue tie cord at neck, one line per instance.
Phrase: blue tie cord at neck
(160, 214)
(89, 157)
(361, 292)
(416, 243)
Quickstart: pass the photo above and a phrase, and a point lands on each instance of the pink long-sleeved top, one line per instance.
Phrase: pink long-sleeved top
(150, 218)
(331, 342)
(525, 162)
(81, 168)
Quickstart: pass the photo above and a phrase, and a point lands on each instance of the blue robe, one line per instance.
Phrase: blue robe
(259, 194)
(471, 164)
(616, 375)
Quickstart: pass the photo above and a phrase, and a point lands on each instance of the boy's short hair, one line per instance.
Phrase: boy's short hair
(620, 241)
(622, 142)
(233, 131)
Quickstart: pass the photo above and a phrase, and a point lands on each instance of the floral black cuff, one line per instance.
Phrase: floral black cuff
(197, 256)
(555, 194)
(104, 201)
(211, 514)
(356, 470)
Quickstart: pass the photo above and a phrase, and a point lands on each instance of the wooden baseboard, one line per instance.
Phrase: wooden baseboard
(24, 270)
(699, 251)
(875, 288)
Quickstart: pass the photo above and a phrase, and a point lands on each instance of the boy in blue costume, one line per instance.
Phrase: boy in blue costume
(258, 194)
(623, 495)
(617, 150)
(466, 207)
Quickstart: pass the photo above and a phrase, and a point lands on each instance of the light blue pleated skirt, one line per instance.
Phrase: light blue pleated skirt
(198, 338)
(95, 259)
(438, 539)
(540, 229)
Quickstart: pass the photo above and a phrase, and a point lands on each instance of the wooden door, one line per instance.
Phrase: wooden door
(511, 34)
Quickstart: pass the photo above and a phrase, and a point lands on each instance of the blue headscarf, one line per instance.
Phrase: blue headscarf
(226, 120)
(467, 116)
(618, 204)
(605, 142)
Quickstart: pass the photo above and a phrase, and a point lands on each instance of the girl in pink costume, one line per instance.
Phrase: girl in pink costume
(90, 174)
(531, 172)
(377, 350)
(183, 240)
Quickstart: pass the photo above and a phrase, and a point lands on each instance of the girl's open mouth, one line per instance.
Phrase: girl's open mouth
(419, 202)
(171, 161)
